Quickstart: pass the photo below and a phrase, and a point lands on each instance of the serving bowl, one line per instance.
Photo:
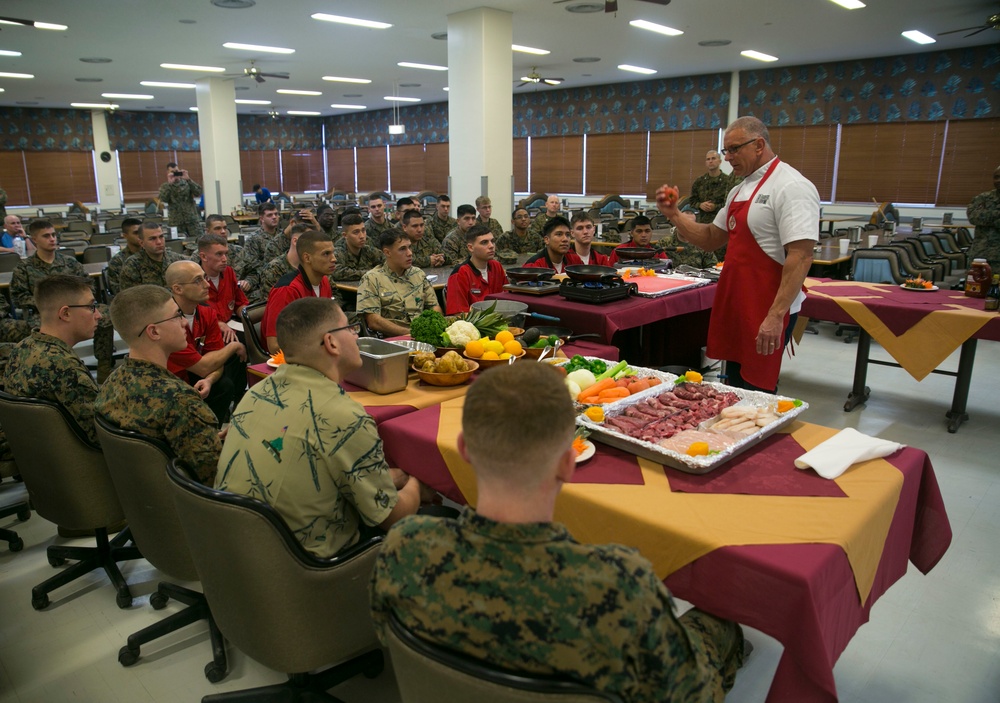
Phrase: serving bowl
(447, 379)
(490, 363)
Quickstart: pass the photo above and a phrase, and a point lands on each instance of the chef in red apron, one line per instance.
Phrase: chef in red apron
(770, 223)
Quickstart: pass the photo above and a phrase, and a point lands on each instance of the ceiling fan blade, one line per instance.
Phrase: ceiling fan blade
(275, 75)
(966, 29)
(981, 29)
(258, 77)
(611, 5)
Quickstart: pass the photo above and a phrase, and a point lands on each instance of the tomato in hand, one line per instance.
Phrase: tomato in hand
(668, 195)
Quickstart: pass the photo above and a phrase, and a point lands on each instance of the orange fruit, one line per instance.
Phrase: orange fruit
(513, 347)
(490, 356)
(698, 449)
(504, 337)
(474, 349)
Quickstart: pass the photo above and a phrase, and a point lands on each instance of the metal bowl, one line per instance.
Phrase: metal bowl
(414, 346)
(634, 253)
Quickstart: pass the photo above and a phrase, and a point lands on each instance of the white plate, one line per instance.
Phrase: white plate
(431, 277)
(586, 453)
(272, 364)
(919, 290)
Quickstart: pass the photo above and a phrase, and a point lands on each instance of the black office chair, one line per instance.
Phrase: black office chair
(939, 267)
(138, 467)
(9, 261)
(964, 237)
(96, 254)
(872, 266)
(21, 510)
(68, 484)
(252, 316)
(429, 673)
(281, 605)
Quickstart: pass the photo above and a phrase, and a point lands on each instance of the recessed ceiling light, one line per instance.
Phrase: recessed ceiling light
(587, 59)
(234, 4)
(425, 66)
(850, 4)
(758, 55)
(95, 59)
(88, 80)
(341, 79)
(636, 69)
(306, 113)
(446, 89)
(126, 96)
(193, 109)
(5, 52)
(918, 36)
(529, 50)
(400, 99)
(585, 7)
(409, 85)
(16, 75)
(715, 42)
(288, 91)
(440, 36)
(340, 19)
(258, 47)
(165, 84)
(240, 101)
(95, 106)
(654, 27)
(191, 67)
(188, 21)
(348, 106)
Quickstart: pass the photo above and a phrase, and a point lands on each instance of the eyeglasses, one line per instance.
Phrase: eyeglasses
(355, 328)
(199, 281)
(179, 314)
(92, 306)
(734, 149)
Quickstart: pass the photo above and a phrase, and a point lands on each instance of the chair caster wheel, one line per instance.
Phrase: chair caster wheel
(124, 600)
(56, 562)
(23, 515)
(215, 673)
(40, 603)
(158, 601)
(16, 545)
(127, 657)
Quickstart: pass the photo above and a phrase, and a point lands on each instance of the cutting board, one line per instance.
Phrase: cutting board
(656, 285)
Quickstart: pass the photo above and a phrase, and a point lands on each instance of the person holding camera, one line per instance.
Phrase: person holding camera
(178, 194)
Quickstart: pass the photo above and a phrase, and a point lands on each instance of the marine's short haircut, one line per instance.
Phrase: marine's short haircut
(752, 126)
(581, 216)
(475, 232)
(443, 197)
(134, 308)
(38, 225)
(265, 207)
(302, 322)
(348, 212)
(464, 210)
(207, 241)
(309, 241)
(412, 215)
(300, 227)
(256, 187)
(52, 292)
(215, 218)
(494, 423)
(554, 222)
(351, 220)
(483, 200)
(150, 226)
(639, 220)
(515, 211)
(404, 201)
(172, 164)
(389, 237)
(130, 222)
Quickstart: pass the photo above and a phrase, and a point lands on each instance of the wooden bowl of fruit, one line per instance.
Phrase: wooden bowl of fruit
(449, 370)
(493, 352)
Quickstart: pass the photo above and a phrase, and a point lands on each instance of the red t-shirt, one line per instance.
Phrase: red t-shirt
(614, 252)
(466, 285)
(203, 335)
(597, 258)
(228, 298)
(541, 260)
(282, 295)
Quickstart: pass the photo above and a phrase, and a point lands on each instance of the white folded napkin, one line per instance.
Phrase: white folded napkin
(831, 458)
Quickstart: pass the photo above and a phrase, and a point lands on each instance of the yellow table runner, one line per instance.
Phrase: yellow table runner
(416, 394)
(673, 529)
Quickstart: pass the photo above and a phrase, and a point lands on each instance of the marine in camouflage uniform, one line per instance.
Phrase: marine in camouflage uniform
(299, 443)
(179, 197)
(439, 228)
(690, 256)
(278, 245)
(251, 262)
(22, 291)
(422, 251)
(115, 267)
(538, 223)
(272, 273)
(495, 227)
(374, 229)
(530, 598)
(43, 366)
(528, 244)
(142, 269)
(144, 397)
(396, 298)
(351, 267)
(984, 213)
(453, 248)
(713, 189)
(11, 331)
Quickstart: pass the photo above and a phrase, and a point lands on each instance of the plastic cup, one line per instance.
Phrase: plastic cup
(872, 240)
(845, 245)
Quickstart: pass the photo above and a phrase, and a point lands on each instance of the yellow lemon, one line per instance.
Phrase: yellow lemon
(513, 347)
(474, 349)
(505, 356)
(504, 337)
(495, 347)
(491, 356)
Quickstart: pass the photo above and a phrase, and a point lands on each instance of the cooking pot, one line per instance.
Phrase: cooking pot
(591, 273)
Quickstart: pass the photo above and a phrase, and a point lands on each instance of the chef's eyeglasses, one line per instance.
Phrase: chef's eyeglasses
(355, 329)
(734, 149)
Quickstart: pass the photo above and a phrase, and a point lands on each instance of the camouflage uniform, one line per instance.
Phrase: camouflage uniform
(22, 292)
(453, 247)
(528, 244)
(439, 228)
(538, 224)
(375, 229)
(179, 197)
(691, 256)
(352, 267)
(141, 269)
(272, 273)
(494, 226)
(278, 245)
(3, 204)
(11, 331)
(115, 267)
(423, 249)
(301, 444)
(984, 213)
(396, 298)
(145, 397)
(251, 262)
(529, 597)
(43, 366)
(713, 189)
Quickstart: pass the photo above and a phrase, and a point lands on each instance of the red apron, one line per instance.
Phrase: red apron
(749, 281)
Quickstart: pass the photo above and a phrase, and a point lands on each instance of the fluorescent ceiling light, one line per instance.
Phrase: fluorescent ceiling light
(341, 79)
(126, 96)
(193, 109)
(529, 50)
(339, 19)
(253, 102)
(5, 52)
(189, 67)
(257, 47)
(398, 99)
(751, 54)
(96, 106)
(850, 4)
(302, 112)
(288, 91)
(16, 75)
(348, 106)
(913, 35)
(49, 25)
(446, 88)
(654, 27)
(636, 69)
(426, 66)
(1, 90)
(165, 84)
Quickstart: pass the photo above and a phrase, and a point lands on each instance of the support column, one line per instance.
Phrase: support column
(480, 108)
(109, 194)
(220, 147)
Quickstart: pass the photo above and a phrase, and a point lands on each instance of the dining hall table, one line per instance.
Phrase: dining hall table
(800, 558)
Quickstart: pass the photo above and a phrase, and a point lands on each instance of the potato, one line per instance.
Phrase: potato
(421, 358)
(445, 365)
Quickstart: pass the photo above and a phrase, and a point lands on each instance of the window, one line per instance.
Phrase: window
(677, 158)
(971, 154)
(896, 162)
(302, 170)
(340, 169)
(260, 167)
(811, 151)
(557, 164)
(373, 171)
(616, 163)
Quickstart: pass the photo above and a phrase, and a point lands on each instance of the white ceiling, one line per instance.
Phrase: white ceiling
(138, 35)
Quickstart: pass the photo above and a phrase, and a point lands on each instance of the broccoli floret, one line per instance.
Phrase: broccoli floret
(428, 326)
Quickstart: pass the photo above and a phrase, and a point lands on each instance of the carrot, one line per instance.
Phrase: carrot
(613, 394)
(596, 388)
(579, 445)
(588, 399)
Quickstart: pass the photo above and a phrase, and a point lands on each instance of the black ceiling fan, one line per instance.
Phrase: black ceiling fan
(30, 23)
(612, 5)
(252, 71)
(535, 77)
(992, 22)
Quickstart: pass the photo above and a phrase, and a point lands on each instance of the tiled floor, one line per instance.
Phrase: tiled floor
(931, 638)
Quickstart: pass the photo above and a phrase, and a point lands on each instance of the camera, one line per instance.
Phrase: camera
(178, 174)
